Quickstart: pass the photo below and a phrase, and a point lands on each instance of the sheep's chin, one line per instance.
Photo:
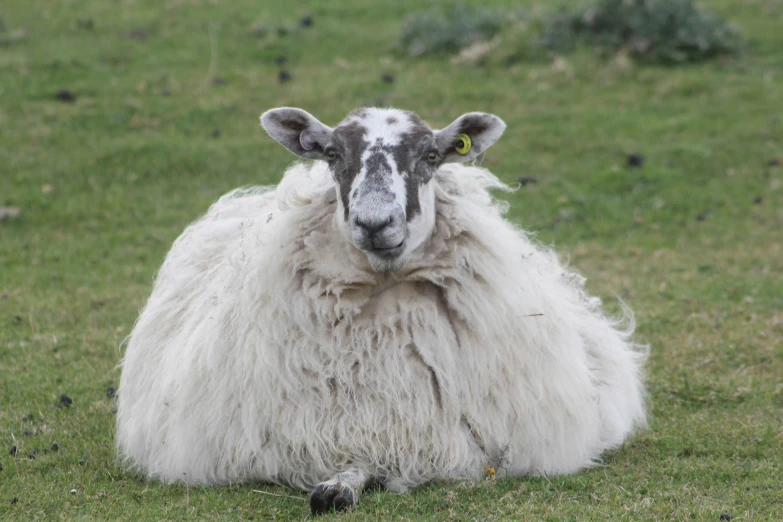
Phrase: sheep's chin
(381, 264)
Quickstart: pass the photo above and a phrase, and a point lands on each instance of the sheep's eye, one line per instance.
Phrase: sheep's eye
(331, 155)
(432, 157)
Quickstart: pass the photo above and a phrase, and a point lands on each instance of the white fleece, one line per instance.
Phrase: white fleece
(270, 351)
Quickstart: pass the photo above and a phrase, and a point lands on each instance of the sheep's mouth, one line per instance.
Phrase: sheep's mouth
(387, 251)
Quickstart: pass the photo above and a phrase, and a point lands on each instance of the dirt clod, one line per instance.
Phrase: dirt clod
(65, 96)
(635, 161)
(139, 34)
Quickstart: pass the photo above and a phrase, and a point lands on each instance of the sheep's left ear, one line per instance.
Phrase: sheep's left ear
(481, 129)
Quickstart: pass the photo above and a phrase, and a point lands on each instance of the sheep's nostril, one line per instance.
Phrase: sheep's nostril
(373, 226)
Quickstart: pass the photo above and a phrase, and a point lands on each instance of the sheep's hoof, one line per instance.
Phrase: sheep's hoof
(332, 495)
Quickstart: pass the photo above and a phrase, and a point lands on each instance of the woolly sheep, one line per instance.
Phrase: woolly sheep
(372, 319)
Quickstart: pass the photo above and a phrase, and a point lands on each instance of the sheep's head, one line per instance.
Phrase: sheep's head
(382, 161)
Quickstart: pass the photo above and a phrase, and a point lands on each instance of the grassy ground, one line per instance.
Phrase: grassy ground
(167, 96)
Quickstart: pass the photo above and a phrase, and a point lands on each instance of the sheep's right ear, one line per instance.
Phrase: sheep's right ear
(468, 136)
(299, 131)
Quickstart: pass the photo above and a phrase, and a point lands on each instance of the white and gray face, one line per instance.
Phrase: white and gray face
(382, 162)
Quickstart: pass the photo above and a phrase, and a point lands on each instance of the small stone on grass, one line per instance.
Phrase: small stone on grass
(8, 212)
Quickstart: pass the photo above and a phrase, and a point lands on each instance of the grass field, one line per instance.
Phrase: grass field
(164, 119)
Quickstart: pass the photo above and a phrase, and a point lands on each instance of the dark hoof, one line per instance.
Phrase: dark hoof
(326, 497)
(319, 501)
(344, 500)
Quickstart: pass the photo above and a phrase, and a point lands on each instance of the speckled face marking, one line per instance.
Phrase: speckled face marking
(382, 161)
(378, 145)
(379, 161)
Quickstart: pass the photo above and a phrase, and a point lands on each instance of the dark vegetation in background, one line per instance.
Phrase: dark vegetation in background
(652, 31)
(449, 31)
(660, 31)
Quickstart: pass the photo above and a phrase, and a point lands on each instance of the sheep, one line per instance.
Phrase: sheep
(373, 319)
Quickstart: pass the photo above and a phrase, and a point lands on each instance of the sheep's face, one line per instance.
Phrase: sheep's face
(382, 162)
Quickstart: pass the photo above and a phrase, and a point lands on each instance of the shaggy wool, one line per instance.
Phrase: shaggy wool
(271, 351)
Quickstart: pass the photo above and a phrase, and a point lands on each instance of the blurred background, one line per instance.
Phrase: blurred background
(644, 137)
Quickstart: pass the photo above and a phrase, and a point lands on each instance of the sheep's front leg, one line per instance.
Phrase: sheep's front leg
(341, 492)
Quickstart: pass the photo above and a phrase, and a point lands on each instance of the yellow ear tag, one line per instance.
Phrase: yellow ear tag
(462, 144)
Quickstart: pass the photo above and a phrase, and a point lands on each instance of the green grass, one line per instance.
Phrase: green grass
(105, 184)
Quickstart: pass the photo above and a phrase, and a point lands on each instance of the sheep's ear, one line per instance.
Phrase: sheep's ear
(299, 131)
(481, 129)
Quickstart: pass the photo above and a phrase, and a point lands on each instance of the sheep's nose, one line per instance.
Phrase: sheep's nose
(373, 226)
